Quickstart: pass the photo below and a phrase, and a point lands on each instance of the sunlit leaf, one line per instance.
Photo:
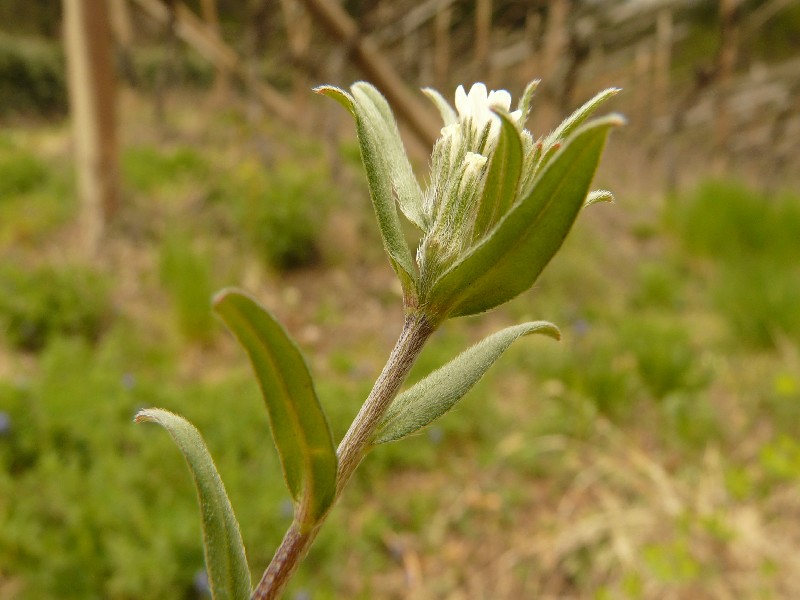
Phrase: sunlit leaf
(298, 425)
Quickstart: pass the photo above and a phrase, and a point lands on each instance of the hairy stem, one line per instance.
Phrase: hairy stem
(353, 447)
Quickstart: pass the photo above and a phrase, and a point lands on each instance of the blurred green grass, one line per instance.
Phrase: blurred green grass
(673, 398)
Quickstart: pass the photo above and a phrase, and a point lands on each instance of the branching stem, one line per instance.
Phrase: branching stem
(354, 446)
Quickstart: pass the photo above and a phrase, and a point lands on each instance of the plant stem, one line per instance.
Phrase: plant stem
(353, 447)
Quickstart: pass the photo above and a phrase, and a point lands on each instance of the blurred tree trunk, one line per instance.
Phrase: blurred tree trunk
(483, 34)
(123, 36)
(92, 89)
(441, 48)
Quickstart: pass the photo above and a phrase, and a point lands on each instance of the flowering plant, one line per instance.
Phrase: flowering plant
(497, 206)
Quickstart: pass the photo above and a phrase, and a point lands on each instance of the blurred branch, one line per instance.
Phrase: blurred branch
(207, 42)
(369, 58)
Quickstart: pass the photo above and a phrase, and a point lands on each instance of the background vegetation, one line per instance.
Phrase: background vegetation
(654, 452)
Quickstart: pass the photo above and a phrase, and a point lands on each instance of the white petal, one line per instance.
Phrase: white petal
(500, 98)
(462, 102)
(477, 99)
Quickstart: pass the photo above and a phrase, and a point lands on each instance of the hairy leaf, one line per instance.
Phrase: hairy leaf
(433, 396)
(502, 178)
(228, 575)
(389, 174)
(510, 258)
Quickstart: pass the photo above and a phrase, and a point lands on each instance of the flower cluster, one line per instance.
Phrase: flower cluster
(498, 203)
(459, 165)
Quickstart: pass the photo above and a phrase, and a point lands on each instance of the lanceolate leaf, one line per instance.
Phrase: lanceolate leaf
(389, 173)
(228, 575)
(598, 196)
(433, 396)
(298, 425)
(502, 179)
(572, 122)
(368, 100)
(512, 256)
(447, 112)
(577, 118)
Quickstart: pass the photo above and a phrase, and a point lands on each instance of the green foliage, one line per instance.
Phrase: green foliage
(32, 76)
(40, 303)
(753, 243)
(760, 300)
(145, 168)
(20, 173)
(186, 275)
(75, 522)
(730, 222)
(282, 210)
(153, 64)
(665, 358)
(27, 180)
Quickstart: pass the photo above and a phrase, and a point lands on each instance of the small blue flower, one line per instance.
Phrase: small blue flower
(5, 423)
(201, 583)
(128, 381)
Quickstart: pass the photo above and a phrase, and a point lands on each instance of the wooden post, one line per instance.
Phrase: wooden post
(363, 51)
(483, 32)
(87, 39)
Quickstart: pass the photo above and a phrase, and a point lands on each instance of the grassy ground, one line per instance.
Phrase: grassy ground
(653, 453)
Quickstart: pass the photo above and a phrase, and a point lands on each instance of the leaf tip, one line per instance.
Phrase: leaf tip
(616, 120)
(338, 94)
(542, 328)
(220, 296)
(144, 416)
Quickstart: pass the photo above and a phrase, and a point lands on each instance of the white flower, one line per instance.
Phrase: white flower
(477, 107)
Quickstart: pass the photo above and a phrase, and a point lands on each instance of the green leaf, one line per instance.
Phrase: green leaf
(526, 99)
(598, 196)
(552, 142)
(449, 115)
(298, 425)
(577, 118)
(433, 396)
(510, 258)
(389, 174)
(502, 178)
(226, 562)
